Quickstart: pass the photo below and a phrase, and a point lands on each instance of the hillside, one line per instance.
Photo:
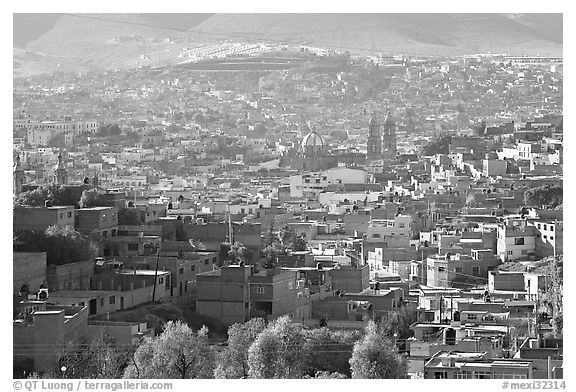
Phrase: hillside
(423, 34)
(108, 41)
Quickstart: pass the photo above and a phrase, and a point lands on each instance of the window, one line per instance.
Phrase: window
(133, 247)
(181, 270)
(112, 299)
(464, 374)
(259, 289)
(439, 375)
(290, 285)
(441, 269)
(61, 215)
(476, 271)
(161, 279)
(524, 252)
(551, 228)
(206, 261)
(509, 253)
(551, 238)
(376, 235)
(472, 316)
(70, 214)
(458, 269)
(481, 374)
(317, 181)
(401, 225)
(192, 268)
(519, 241)
(102, 301)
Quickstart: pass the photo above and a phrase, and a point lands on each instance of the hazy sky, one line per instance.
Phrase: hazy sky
(28, 27)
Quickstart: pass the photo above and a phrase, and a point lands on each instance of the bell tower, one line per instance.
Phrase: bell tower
(61, 174)
(389, 144)
(18, 176)
(374, 146)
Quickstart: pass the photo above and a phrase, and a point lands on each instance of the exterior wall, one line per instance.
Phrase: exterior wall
(70, 276)
(39, 218)
(345, 176)
(50, 328)
(507, 247)
(550, 239)
(534, 285)
(395, 233)
(121, 332)
(232, 294)
(349, 280)
(383, 301)
(493, 167)
(356, 223)
(505, 281)
(99, 220)
(29, 268)
(224, 294)
(458, 271)
(401, 268)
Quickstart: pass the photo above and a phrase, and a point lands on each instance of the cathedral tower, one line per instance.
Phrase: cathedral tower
(389, 146)
(18, 176)
(61, 174)
(374, 150)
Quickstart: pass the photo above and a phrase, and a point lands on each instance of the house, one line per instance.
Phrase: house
(38, 335)
(183, 266)
(40, 218)
(394, 233)
(516, 242)
(101, 221)
(472, 365)
(550, 237)
(460, 270)
(235, 294)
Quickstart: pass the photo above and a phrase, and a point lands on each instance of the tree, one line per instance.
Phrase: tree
(270, 257)
(238, 254)
(375, 356)
(233, 361)
(91, 198)
(291, 240)
(329, 351)
(57, 195)
(101, 358)
(398, 323)
(278, 351)
(439, 145)
(178, 352)
(128, 217)
(552, 298)
(271, 248)
(62, 245)
(545, 196)
(299, 244)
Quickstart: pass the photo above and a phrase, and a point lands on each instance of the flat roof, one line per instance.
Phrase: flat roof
(142, 272)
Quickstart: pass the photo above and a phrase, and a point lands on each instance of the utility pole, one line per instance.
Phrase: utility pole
(156, 271)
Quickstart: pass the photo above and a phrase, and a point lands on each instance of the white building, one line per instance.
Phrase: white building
(394, 233)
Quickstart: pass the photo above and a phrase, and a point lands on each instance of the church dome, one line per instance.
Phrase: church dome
(313, 140)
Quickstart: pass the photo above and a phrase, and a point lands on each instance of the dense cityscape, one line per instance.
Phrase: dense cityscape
(258, 210)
